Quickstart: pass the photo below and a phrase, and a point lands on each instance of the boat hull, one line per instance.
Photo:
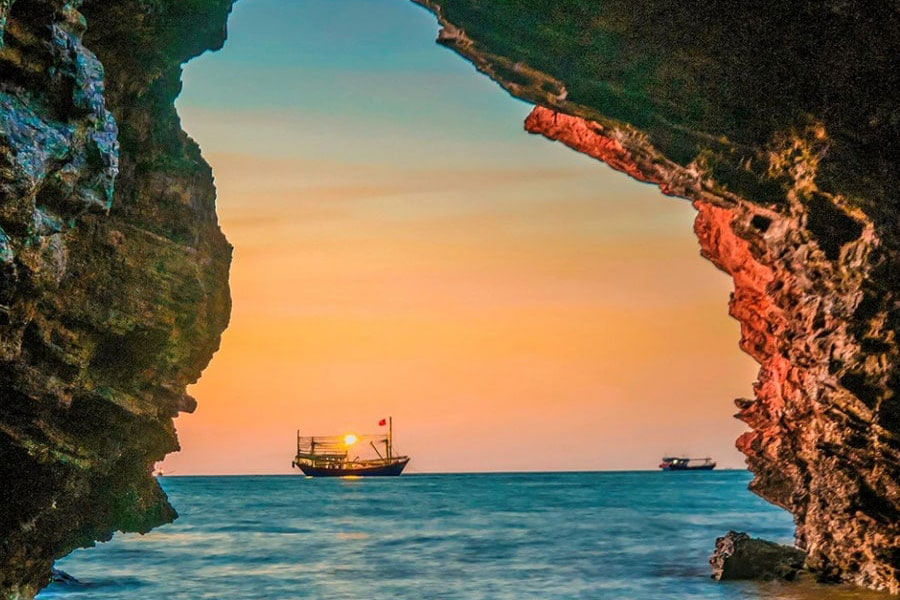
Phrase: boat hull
(389, 470)
(697, 468)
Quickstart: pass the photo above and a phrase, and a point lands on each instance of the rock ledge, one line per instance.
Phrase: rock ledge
(739, 556)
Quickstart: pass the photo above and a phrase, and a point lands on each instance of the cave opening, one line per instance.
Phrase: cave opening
(403, 247)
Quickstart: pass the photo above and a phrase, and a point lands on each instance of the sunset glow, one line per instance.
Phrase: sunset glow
(403, 247)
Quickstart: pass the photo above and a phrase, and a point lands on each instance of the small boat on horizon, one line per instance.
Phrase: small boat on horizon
(683, 463)
(329, 456)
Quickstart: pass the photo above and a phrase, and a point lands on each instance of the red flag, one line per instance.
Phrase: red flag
(382, 422)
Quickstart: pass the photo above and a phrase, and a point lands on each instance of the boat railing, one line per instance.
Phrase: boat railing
(339, 440)
(337, 447)
(326, 456)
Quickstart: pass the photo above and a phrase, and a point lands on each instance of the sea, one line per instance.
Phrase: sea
(604, 535)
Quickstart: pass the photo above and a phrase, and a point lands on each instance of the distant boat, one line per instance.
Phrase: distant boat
(329, 456)
(682, 463)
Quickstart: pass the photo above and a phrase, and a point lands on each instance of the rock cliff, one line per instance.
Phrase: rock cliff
(113, 270)
(778, 120)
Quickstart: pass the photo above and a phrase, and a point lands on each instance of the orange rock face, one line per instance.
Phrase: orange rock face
(821, 443)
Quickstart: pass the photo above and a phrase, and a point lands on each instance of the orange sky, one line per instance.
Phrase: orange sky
(513, 305)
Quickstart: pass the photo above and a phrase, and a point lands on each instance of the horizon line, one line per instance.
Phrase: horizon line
(556, 472)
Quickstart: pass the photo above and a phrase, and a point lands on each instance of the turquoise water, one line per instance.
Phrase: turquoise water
(636, 535)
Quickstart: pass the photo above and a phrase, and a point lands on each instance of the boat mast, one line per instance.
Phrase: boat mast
(390, 445)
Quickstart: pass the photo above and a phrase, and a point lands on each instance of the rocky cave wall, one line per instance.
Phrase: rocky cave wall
(777, 120)
(113, 269)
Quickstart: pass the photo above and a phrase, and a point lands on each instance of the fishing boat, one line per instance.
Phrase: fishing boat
(330, 456)
(683, 463)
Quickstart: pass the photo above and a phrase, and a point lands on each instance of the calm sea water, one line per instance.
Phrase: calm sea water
(499, 536)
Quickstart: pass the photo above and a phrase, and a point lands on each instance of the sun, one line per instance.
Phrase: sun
(349, 439)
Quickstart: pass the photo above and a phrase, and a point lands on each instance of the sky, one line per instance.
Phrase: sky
(403, 247)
